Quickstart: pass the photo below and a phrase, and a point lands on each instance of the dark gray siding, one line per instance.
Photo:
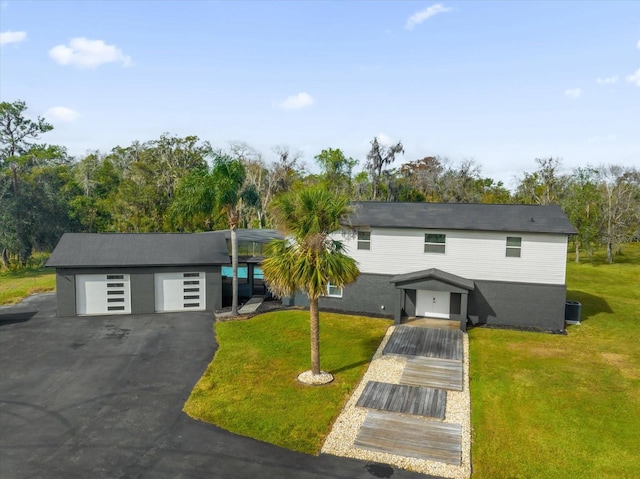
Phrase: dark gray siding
(65, 293)
(519, 304)
(492, 302)
(142, 286)
(371, 293)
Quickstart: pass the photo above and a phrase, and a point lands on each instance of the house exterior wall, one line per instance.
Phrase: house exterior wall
(523, 305)
(370, 294)
(491, 302)
(477, 255)
(142, 286)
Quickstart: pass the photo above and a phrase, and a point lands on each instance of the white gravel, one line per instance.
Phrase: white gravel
(389, 369)
(311, 379)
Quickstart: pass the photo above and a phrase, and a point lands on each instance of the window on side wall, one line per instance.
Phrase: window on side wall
(514, 246)
(364, 240)
(334, 291)
(434, 243)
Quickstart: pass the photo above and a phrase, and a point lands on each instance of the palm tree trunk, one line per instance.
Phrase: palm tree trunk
(315, 335)
(234, 268)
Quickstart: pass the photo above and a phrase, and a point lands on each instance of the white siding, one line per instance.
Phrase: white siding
(471, 254)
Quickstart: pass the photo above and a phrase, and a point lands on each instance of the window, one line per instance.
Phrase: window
(334, 291)
(243, 272)
(434, 243)
(514, 246)
(364, 240)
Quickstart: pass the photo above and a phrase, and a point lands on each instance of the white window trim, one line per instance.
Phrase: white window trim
(334, 295)
(513, 248)
(425, 243)
(358, 241)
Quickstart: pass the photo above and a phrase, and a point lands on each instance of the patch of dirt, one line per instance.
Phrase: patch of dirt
(539, 351)
(623, 363)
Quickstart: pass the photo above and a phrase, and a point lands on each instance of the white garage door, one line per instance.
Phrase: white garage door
(184, 291)
(103, 294)
(433, 304)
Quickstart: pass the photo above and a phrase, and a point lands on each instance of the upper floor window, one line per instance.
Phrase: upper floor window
(514, 246)
(434, 243)
(364, 240)
(334, 291)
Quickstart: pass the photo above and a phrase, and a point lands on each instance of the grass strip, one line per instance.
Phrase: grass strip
(15, 286)
(250, 387)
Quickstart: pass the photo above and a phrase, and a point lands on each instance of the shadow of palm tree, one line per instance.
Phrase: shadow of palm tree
(349, 366)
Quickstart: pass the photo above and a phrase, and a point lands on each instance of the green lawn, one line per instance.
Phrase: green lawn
(546, 406)
(250, 387)
(14, 287)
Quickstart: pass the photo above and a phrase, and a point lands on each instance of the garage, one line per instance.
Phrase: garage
(103, 294)
(138, 273)
(180, 291)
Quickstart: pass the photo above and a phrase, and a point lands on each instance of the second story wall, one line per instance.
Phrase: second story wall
(476, 255)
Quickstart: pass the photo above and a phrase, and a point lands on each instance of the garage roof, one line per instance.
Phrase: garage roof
(85, 250)
(462, 216)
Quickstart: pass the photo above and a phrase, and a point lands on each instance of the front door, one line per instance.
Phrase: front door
(433, 304)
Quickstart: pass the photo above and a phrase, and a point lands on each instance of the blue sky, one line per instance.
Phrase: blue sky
(502, 82)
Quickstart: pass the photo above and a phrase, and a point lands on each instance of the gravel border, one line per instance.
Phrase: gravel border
(389, 369)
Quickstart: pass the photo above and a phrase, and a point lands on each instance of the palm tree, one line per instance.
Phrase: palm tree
(204, 195)
(308, 259)
(230, 191)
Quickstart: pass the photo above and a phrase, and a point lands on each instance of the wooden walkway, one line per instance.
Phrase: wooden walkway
(419, 401)
(425, 342)
(411, 436)
(433, 373)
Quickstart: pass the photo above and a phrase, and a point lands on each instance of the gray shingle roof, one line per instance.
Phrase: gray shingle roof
(434, 273)
(462, 216)
(143, 249)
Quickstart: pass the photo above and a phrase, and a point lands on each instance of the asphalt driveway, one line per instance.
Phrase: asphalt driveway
(102, 397)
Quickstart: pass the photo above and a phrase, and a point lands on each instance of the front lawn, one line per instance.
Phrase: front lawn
(250, 387)
(546, 406)
(14, 287)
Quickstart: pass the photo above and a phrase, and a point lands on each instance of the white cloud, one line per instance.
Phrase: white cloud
(635, 78)
(574, 93)
(62, 113)
(296, 102)
(419, 17)
(608, 80)
(12, 37)
(638, 45)
(85, 53)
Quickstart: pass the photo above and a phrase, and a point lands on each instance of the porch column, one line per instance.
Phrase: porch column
(398, 306)
(463, 310)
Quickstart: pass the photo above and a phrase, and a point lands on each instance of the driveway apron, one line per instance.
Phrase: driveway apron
(102, 397)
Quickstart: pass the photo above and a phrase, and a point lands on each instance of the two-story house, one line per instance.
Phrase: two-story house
(495, 264)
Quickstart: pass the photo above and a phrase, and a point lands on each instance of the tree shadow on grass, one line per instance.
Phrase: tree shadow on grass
(349, 366)
(591, 305)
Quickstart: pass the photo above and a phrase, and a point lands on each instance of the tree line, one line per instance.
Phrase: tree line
(171, 184)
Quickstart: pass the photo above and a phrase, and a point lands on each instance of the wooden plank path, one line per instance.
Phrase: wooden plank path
(425, 342)
(433, 373)
(411, 436)
(419, 401)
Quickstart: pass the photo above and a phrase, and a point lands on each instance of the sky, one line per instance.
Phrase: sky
(501, 83)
